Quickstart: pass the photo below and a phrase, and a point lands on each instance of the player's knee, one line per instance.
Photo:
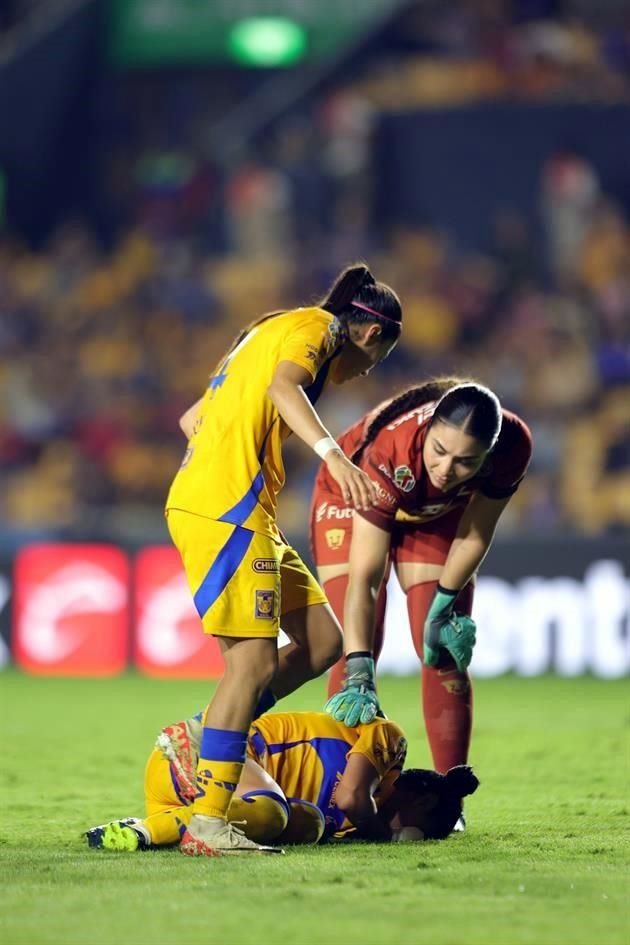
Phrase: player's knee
(263, 675)
(264, 814)
(306, 823)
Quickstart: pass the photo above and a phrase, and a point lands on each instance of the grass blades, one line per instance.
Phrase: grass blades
(544, 860)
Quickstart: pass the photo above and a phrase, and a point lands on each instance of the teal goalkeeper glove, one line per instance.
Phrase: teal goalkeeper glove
(444, 628)
(357, 701)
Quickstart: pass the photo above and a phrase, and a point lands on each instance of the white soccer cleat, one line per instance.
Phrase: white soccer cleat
(228, 840)
(460, 824)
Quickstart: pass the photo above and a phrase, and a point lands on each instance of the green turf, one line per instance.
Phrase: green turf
(544, 861)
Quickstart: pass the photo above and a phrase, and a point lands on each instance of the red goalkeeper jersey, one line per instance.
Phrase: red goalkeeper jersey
(393, 461)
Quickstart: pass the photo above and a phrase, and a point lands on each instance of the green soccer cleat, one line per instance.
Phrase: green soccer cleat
(122, 836)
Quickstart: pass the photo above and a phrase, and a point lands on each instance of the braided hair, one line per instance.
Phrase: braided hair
(467, 405)
(405, 401)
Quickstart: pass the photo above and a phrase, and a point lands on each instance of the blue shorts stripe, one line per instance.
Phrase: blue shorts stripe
(222, 569)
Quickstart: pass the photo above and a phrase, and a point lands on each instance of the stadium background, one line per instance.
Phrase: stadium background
(170, 169)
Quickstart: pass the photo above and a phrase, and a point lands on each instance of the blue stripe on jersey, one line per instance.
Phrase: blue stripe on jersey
(258, 743)
(314, 390)
(222, 569)
(332, 754)
(240, 512)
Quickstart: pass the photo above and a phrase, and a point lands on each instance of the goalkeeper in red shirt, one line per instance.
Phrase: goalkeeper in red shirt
(446, 459)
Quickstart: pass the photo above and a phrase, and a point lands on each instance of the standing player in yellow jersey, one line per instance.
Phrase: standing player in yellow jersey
(221, 512)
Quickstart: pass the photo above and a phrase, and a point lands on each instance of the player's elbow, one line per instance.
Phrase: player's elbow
(278, 389)
(187, 422)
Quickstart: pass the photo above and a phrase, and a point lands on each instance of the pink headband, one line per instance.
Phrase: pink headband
(372, 311)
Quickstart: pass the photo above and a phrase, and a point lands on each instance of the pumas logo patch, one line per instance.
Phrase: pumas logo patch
(265, 606)
(335, 538)
(404, 478)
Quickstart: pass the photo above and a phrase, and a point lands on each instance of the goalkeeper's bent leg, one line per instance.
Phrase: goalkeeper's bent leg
(447, 698)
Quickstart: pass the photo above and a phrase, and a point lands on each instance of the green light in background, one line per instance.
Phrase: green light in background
(267, 41)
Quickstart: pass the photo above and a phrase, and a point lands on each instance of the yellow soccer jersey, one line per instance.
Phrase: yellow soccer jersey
(233, 470)
(306, 754)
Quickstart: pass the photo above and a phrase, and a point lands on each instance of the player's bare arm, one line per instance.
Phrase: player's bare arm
(472, 541)
(355, 797)
(255, 778)
(287, 393)
(369, 553)
(357, 701)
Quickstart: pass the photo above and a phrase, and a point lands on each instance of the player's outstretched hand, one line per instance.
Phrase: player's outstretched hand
(356, 703)
(356, 486)
(353, 706)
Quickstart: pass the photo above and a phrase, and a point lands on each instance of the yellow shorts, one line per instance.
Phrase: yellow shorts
(241, 581)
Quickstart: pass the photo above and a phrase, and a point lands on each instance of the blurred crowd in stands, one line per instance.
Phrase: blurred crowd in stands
(102, 347)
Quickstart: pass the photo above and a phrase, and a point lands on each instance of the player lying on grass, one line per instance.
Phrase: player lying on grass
(307, 777)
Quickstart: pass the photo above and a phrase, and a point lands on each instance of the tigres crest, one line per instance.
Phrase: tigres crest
(265, 607)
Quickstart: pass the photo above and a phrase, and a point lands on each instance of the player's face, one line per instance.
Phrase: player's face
(451, 456)
(361, 352)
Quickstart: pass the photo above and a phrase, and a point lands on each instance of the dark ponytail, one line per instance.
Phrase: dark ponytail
(461, 781)
(473, 408)
(356, 287)
(355, 283)
(407, 400)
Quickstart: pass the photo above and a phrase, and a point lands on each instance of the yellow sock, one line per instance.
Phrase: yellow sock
(166, 827)
(221, 761)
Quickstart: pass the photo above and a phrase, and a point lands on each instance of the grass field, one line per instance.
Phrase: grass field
(544, 861)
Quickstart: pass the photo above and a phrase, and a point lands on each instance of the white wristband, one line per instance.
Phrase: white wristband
(325, 445)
